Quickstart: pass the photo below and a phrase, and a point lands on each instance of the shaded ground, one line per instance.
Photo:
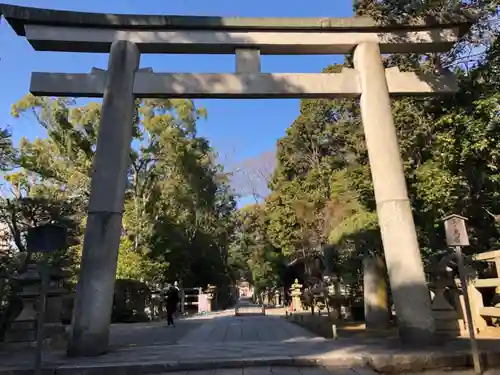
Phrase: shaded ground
(145, 334)
(273, 370)
(224, 341)
(231, 329)
(457, 372)
(347, 329)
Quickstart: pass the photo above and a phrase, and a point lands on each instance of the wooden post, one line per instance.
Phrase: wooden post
(456, 237)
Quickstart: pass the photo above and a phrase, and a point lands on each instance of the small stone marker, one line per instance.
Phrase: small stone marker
(334, 332)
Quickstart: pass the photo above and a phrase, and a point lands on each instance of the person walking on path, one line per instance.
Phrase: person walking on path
(172, 301)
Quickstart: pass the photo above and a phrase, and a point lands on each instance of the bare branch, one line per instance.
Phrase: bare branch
(252, 176)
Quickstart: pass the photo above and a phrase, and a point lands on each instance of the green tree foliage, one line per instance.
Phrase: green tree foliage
(178, 208)
(322, 194)
(252, 256)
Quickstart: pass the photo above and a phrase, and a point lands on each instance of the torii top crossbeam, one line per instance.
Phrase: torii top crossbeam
(54, 30)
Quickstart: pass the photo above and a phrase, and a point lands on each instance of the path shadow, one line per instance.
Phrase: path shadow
(301, 348)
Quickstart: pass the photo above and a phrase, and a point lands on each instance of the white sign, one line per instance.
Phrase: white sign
(456, 232)
(202, 302)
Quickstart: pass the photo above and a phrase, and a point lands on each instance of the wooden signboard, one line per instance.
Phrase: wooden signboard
(456, 232)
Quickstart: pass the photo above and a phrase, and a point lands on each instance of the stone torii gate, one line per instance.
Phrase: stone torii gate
(125, 37)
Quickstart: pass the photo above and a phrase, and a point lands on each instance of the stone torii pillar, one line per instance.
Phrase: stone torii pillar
(402, 252)
(95, 288)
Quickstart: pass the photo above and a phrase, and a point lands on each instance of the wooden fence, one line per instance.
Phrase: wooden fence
(486, 314)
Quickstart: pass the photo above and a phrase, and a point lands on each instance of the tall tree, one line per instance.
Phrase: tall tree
(177, 206)
(322, 192)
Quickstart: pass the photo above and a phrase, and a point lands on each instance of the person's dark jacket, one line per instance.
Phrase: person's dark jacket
(172, 298)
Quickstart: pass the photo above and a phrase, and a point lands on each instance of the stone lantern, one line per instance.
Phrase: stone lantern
(23, 328)
(37, 291)
(277, 297)
(296, 292)
(55, 294)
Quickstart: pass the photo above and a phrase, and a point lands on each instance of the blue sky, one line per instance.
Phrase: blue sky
(238, 129)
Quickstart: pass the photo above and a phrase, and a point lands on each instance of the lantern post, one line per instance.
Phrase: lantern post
(45, 239)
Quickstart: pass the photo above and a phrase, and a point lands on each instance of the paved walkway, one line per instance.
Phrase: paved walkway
(273, 370)
(152, 333)
(232, 329)
(315, 371)
(226, 342)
